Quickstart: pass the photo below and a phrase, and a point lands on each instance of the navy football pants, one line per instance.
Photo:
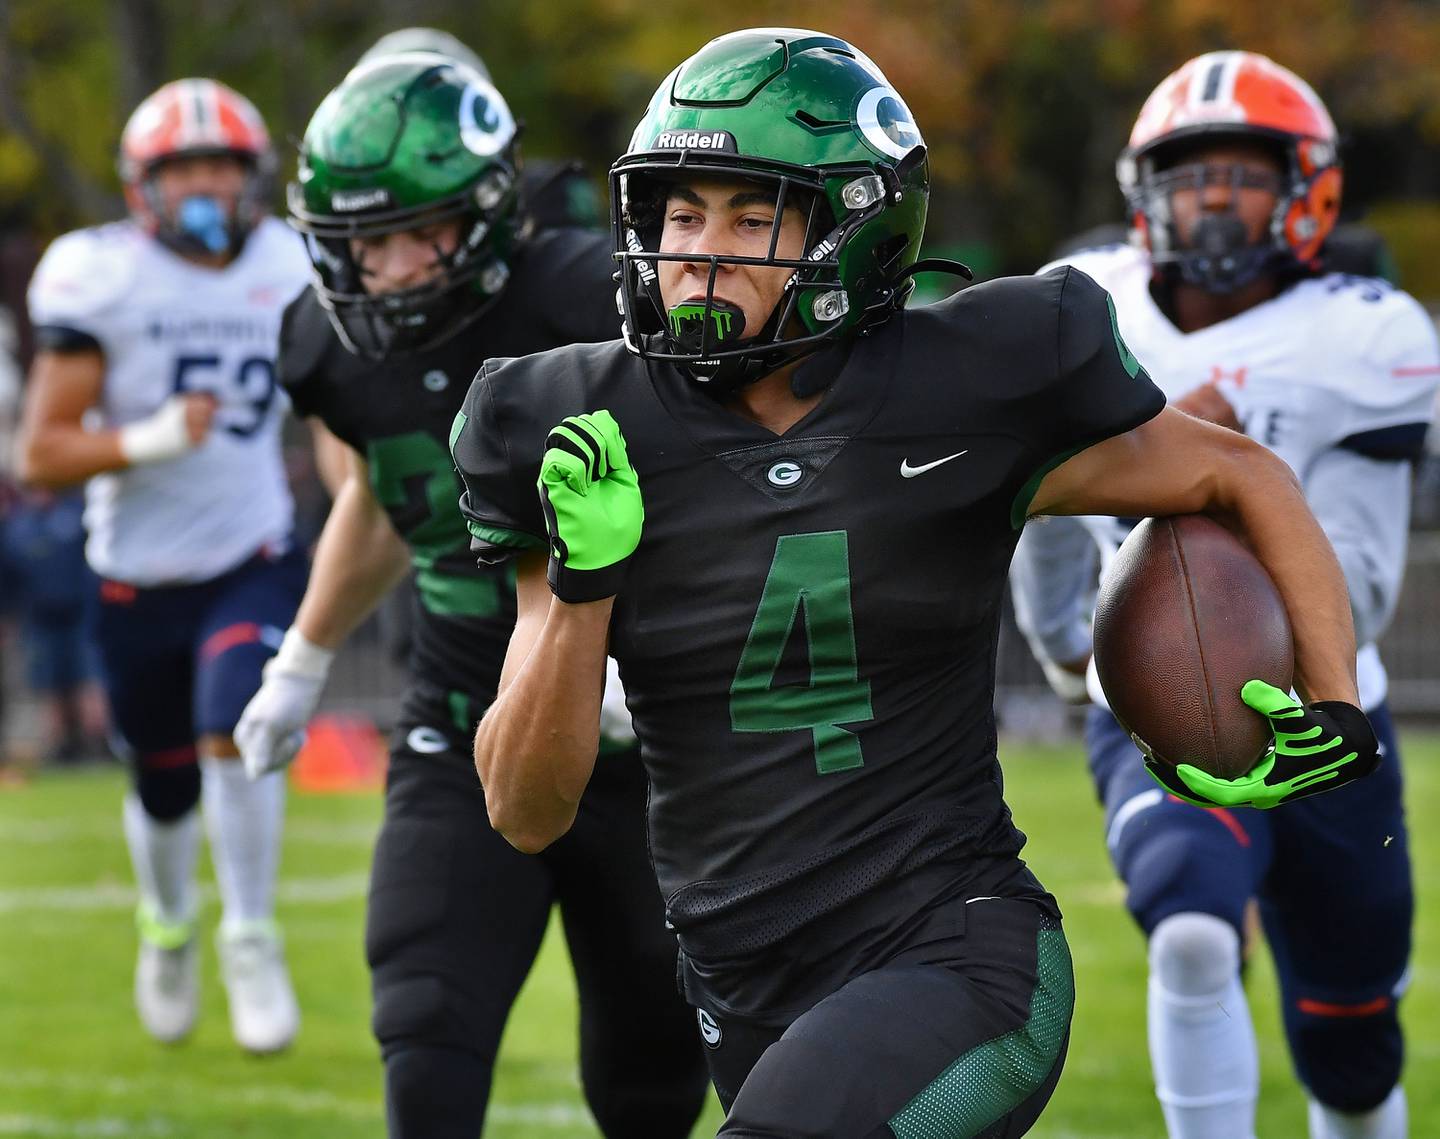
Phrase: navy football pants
(1331, 874)
(180, 662)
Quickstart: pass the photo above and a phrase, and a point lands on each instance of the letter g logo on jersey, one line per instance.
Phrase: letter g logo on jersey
(785, 473)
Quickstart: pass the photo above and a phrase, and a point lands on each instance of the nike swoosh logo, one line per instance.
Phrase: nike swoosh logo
(909, 472)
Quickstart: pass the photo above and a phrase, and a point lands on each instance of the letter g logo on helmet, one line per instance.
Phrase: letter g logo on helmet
(486, 125)
(886, 122)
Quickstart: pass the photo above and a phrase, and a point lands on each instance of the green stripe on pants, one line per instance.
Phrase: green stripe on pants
(996, 1077)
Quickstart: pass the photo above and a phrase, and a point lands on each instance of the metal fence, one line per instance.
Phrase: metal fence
(1411, 646)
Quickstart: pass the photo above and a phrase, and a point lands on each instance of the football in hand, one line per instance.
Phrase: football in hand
(1185, 616)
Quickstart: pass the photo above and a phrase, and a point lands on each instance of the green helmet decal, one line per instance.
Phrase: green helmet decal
(811, 116)
(407, 141)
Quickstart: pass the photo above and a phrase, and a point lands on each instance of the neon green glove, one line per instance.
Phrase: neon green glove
(593, 509)
(1317, 748)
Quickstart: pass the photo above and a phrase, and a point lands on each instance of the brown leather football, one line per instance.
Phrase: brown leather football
(1186, 615)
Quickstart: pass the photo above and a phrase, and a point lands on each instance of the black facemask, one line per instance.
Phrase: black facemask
(1220, 258)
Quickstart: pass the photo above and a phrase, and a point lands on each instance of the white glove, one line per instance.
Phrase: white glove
(615, 723)
(272, 727)
(159, 436)
(1069, 686)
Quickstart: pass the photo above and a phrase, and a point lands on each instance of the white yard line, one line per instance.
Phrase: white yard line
(58, 832)
(297, 1101)
(99, 1128)
(121, 896)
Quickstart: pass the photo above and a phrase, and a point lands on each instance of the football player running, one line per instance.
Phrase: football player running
(426, 264)
(155, 381)
(788, 507)
(1233, 180)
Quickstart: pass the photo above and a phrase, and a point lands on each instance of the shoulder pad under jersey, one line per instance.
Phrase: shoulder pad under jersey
(83, 276)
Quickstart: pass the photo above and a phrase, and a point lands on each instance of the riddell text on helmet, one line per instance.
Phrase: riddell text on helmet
(695, 140)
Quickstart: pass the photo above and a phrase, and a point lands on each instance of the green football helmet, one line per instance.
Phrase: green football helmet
(407, 141)
(812, 117)
(404, 40)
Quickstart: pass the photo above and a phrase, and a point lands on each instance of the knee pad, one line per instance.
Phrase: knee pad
(167, 793)
(1349, 1063)
(1194, 954)
(421, 1008)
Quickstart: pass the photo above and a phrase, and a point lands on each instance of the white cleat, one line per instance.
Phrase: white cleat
(264, 1016)
(167, 989)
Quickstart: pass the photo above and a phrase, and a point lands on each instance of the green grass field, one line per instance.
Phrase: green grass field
(74, 1062)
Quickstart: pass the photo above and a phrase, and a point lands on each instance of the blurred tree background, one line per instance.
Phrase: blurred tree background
(1024, 103)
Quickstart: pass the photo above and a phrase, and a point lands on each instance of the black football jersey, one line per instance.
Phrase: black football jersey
(398, 414)
(807, 630)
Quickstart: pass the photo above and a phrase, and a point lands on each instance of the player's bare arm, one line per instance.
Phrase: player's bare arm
(331, 463)
(1175, 464)
(358, 560)
(536, 746)
(56, 449)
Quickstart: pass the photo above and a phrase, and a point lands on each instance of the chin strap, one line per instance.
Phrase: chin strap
(936, 265)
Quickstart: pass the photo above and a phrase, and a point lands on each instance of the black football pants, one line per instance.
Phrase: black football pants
(963, 1038)
(456, 916)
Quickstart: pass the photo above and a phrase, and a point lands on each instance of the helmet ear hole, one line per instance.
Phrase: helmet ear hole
(889, 252)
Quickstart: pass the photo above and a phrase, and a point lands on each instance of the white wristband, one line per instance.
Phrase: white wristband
(157, 437)
(301, 657)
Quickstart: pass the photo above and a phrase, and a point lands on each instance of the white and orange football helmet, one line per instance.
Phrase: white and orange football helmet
(1227, 95)
(195, 117)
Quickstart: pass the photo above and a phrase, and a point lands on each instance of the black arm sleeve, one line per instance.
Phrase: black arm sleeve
(305, 334)
(500, 503)
(1404, 442)
(59, 338)
(1098, 388)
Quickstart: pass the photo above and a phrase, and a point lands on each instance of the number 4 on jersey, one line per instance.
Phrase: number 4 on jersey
(810, 574)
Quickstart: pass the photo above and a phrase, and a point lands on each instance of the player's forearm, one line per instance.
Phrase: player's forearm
(1264, 500)
(358, 560)
(61, 455)
(535, 748)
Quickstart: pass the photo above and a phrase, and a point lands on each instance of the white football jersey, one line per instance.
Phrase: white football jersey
(168, 325)
(1332, 361)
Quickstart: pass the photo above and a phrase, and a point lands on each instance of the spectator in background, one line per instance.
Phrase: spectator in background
(50, 591)
(9, 412)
